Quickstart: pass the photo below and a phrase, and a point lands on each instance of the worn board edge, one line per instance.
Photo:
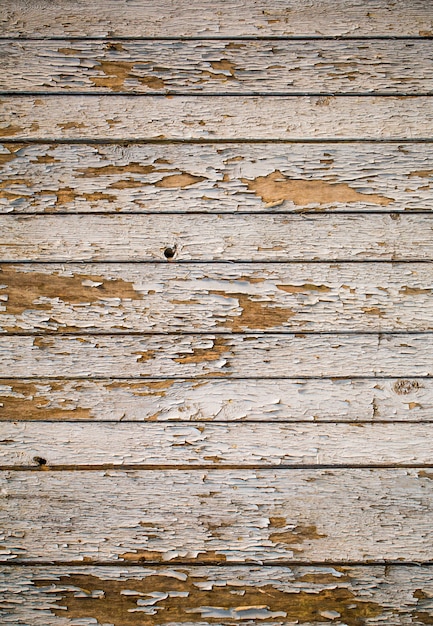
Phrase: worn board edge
(95, 445)
(216, 67)
(215, 297)
(199, 595)
(215, 19)
(261, 515)
(172, 238)
(220, 117)
(215, 178)
(219, 400)
(234, 356)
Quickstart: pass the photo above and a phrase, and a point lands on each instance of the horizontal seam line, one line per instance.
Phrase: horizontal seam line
(183, 467)
(202, 378)
(213, 261)
(204, 141)
(216, 94)
(250, 212)
(219, 422)
(222, 333)
(224, 38)
(220, 564)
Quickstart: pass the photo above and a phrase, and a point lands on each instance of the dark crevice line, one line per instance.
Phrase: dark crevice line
(217, 213)
(227, 38)
(217, 94)
(214, 563)
(197, 467)
(79, 261)
(258, 334)
(229, 263)
(210, 422)
(201, 378)
(202, 141)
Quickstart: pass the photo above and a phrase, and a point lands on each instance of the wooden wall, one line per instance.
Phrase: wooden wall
(216, 312)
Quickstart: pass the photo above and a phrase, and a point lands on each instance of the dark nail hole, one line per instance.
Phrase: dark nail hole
(39, 460)
(169, 253)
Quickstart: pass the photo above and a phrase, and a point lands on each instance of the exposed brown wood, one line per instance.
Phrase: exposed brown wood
(226, 400)
(215, 178)
(234, 356)
(200, 67)
(216, 297)
(298, 515)
(137, 596)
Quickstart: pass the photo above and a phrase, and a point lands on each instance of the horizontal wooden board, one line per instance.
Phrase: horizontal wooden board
(224, 400)
(239, 356)
(282, 238)
(297, 515)
(88, 66)
(258, 445)
(217, 118)
(216, 297)
(142, 596)
(220, 18)
(216, 178)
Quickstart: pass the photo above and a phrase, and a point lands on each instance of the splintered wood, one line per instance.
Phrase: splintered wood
(216, 314)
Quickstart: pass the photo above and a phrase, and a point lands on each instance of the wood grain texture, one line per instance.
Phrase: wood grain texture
(219, 18)
(242, 445)
(217, 118)
(215, 178)
(225, 400)
(145, 596)
(266, 237)
(216, 297)
(238, 356)
(217, 66)
(297, 515)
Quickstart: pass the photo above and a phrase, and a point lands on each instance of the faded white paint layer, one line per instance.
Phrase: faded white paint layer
(216, 178)
(237, 356)
(388, 237)
(186, 118)
(217, 66)
(220, 18)
(249, 515)
(226, 400)
(257, 445)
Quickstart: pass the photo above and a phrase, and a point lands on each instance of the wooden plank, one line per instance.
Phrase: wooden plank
(216, 297)
(96, 445)
(87, 66)
(266, 237)
(133, 596)
(225, 400)
(215, 18)
(215, 178)
(217, 118)
(238, 356)
(297, 515)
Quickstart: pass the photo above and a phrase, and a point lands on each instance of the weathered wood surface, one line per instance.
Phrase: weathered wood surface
(250, 66)
(210, 18)
(216, 297)
(266, 237)
(238, 356)
(240, 445)
(217, 118)
(215, 178)
(225, 400)
(298, 515)
(144, 596)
